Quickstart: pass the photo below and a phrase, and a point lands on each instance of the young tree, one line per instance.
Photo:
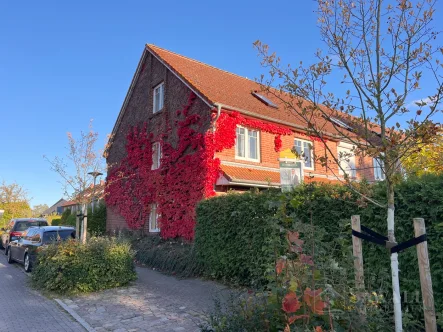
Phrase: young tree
(82, 160)
(426, 159)
(14, 200)
(383, 49)
(38, 210)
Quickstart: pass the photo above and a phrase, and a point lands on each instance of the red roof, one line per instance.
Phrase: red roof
(219, 86)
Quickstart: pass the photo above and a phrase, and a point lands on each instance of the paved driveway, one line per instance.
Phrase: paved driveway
(155, 302)
(23, 309)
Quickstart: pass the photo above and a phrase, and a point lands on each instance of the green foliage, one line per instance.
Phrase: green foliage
(56, 222)
(64, 218)
(234, 233)
(71, 267)
(234, 237)
(97, 220)
(175, 257)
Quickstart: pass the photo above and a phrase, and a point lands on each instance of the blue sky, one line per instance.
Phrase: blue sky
(63, 63)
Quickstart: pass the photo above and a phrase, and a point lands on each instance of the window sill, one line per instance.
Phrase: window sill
(248, 159)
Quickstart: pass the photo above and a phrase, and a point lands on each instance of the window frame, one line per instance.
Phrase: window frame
(160, 86)
(379, 164)
(153, 210)
(349, 147)
(312, 152)
(246, 157)
(159, 155)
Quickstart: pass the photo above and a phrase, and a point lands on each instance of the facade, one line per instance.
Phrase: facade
(187, 131)
(56, 209)
(98, 193)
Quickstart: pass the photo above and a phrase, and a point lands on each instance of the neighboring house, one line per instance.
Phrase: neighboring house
(73, 206)
(188, 130)
(55, 209)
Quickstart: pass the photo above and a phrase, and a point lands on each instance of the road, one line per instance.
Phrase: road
(23, 309)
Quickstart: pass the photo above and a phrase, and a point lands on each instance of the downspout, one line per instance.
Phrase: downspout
(214, 126)
(218, 115)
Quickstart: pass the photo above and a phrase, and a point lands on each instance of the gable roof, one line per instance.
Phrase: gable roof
(218, 87)
(231, 91)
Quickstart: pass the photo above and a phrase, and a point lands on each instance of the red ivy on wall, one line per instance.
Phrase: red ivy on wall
(187, 174)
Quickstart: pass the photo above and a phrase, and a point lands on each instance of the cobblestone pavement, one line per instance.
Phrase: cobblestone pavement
(23, 309)
(155, 302)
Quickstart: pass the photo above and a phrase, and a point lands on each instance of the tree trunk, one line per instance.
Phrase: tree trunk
(394, 261)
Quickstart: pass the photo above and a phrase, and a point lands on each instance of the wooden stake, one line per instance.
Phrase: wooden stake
(77, 227)
(425, 277)
(85, 223)
(358, 265)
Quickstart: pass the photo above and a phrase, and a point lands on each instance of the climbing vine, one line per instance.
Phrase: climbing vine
(188, 171)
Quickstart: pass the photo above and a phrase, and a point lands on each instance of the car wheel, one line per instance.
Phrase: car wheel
(10, 260)
(27, 263)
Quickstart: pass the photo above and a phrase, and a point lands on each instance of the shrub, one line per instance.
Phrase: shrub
(71, 267)
(97, 220)
(233, 237)
(175, 257)
(65, 216)
(56, 222)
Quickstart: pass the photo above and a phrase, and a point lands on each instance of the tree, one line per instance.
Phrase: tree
(427, 159)
(382, 49)
(38, 210)
(14, 200)
(83, 158)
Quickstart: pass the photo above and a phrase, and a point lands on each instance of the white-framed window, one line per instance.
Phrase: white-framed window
(346, 159)
(159, 97)
(379, 165)
(153, 219)
(156, 155)
(305, 151)
(247, 144)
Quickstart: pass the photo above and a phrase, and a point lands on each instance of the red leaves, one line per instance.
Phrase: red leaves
(281, 264)
(293, 238)
(277, 143)
(290, 303)
(314, 301)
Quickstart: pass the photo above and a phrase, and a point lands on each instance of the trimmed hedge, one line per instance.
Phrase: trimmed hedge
(97, 220)
(56, 222)
(71, 267)
(174, 257)
(233, 232)
(234, 237)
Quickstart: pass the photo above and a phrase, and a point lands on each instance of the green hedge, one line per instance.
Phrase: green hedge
(233, 232)
(56, 222)
(71, 267)
(174, 257)
(97, 220)
(234, 237)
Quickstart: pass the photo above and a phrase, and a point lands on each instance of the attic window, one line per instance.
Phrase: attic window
(264, 99)
(340, 123)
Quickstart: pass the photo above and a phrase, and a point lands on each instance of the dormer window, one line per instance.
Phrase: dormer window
(340, 123)
(264, 100)
(159, 97)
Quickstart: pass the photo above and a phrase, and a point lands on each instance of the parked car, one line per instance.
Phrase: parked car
(24, 250)
(16, 227)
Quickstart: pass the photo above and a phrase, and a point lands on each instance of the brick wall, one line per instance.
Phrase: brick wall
(269, 157)
(139, 111)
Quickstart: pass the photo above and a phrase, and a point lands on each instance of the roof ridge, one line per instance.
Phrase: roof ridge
(200, 62)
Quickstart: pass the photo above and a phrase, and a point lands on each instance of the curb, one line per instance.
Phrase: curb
(80, 320)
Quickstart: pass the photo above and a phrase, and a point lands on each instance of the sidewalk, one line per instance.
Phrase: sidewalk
(155, 302)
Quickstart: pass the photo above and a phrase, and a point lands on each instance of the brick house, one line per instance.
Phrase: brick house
(188, 130)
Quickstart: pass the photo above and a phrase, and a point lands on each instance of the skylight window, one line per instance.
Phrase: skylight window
(340, 123)
(264, 99)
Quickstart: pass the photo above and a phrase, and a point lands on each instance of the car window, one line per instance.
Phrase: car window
(35, 236)
(21, 226)
(54, 236)
(27, 234)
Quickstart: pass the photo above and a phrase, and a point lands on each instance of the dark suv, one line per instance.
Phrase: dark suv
(24, 249)
(16, 227)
